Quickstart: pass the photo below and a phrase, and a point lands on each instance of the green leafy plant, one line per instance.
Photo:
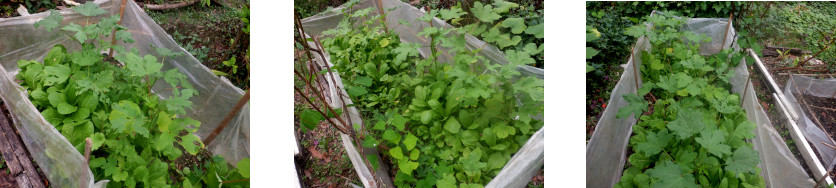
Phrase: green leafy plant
(441, 124)
(591, 35)
(494, 24)
(695, 134)
(85, 96)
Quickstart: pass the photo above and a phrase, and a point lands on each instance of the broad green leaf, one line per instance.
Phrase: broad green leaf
(370, 142)
(125, 114)
(517, 25)
(86, 58)
(472, 163)
(89, 9)
(407, 166)
(426, 116)
(502, 129)
(56, 55)
(380, 125)
(399, 122)
(452, 125)
(670, 175)
(163, 121)
(713, 141)
(98, 139)
(409, 141)
(310, 119)
(65, 108)
(484, 13)
(745, 129)
(536, 30)
(636, 105)
(503, 6)
(496, 161)
(391, 136)
(79, 35)
(364, 81)
(188, 143)
(374, 161)
(590, 52)
(384, 42)
(448, 181)
(414, 154)
(639, 160)
(452, 13)
(126, 36)
(396, 152)
(244, 167)
(655, 142)
(50, 21)
(357, 91)
(56, 98)
(56, 75)
(688, 123)
(743, 160)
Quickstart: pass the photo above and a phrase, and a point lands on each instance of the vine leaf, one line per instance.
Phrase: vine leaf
(50, 21)
(655, 142)
(484, 13)
(670, 175)
(536, 30)
(396, 152)
(744, 160)
(503, 6)
(712, 141)
(89, 9)
(409, 141)
(637, 105)
(452, 13)
(517, 25)
(188, 143)
(688, 122)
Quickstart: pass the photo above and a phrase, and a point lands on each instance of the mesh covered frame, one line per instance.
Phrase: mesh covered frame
(60, 161)
(525, 162)
(606, 149)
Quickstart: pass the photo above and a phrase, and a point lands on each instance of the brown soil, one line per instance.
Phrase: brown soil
(322, 160)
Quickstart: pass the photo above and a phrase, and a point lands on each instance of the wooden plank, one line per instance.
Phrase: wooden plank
(807, 153)
(8, 153)
(773, 85)
(19, 152)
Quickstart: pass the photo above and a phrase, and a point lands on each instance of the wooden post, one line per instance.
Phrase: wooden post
(113, 34)
(382, 15)
(225, 121)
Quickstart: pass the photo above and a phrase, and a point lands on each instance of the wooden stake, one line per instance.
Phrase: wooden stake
(225, 121)
(728, 26)
(745, 89)
(382, 15)
(113, 34)
(88, 145)
(822, 178)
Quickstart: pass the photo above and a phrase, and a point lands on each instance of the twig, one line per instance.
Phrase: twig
(170, 6)
(806, 105)
(822, 178)
(113, 33)
(828, 145)
(745, 89)
(233, 181)
(235, 109)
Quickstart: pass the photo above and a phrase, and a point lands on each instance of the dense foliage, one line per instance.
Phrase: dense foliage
(442, 124)
(134, 132)
(694, 133)
(811, 23)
